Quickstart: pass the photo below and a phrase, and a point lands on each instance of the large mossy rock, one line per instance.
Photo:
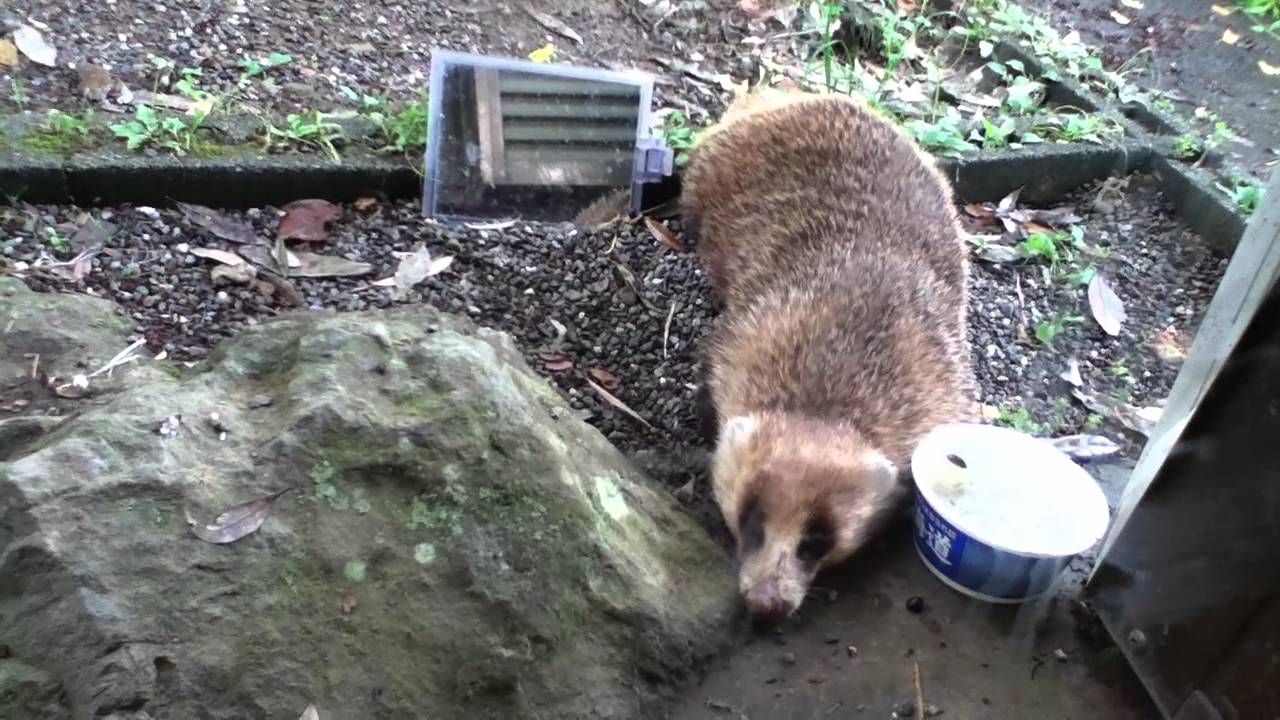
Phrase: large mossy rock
(457, 544)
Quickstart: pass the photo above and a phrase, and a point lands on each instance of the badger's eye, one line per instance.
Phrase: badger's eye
(750, 527)
(819, 538)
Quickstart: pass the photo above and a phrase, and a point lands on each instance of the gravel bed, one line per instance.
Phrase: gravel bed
(374, 46)
(594, 304)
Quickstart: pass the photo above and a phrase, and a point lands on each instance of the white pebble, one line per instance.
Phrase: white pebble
(183, 248)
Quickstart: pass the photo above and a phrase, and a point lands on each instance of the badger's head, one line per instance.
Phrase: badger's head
(798, 495)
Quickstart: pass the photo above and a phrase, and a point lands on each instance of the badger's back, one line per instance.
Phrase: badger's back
(833, 245)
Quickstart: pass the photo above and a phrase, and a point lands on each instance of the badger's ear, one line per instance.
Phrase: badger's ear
(738, 430)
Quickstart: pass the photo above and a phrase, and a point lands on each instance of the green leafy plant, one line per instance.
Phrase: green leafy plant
(308, 131)
(57, 243)
(994, 136)
(679, 135)
(253, 67)
(1019, 419)
(1093, 423)
(1261, 8)
(18, 92)
(1048, 331)
(1163, 104)
(943, 136)
(405, 129)
(1188, 146)
(166, 132)
(1246, 196)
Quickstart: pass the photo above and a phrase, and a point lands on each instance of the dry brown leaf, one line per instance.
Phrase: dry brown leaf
(237, 522)
(1107, 307)
(1072, 373)
(33, 45)
(558, 365)
(414, 267)
(225, 257)
(308, 220)
(554, 24)
(1229, 37)
(663, 234)
(614, 401)
(310, 713)
(606, 379)
(365, 203)
(348, 602)
(1223, 11)
(242, 274)
(982, 212)
(8, 53)
(220, 225)
(314, 265)
(1171, 345)
(1086, 447)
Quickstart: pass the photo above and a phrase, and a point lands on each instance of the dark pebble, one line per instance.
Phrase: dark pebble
(915, 604)
(4, 651)
(906, 708)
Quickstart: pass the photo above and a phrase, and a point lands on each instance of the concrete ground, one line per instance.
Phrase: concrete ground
(852, 651)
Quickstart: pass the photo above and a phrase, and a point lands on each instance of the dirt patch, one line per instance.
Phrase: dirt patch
(1174, 48)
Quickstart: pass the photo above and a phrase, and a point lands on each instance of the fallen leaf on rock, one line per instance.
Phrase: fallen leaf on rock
(614, 401)
(75, 269)
(242, 274)
(14, 405)
(1133, 4)
(348, 602)
(553, 24)
(1170, 345)
(558, 365)
(8, 53)
(237, 522)
(663, 234)
(1107, 307)
(220, 225)
(286, 290)
(1140, 420)
(308, 220)
(1086, 447)
(314, 265)
(1267, 68)
(544, 54)
(1223, 11)
(310, 713)
(1072, 373)
(987, 248)
(1008, 202)
(33, 45)
(607, 380)
(414, 268)
(223, 256)
(365, 203)
(1229, 37)
(495, 225)
(1119, 18)
(74, 390)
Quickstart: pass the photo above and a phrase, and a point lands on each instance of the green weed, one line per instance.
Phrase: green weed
(1019, 419)
(308, 131)
(406, 128)
(679, 135)
(943, 136)
(1188, 146)
(1261, 8)
(18, 93)
(1048, 331)
(165, 132)
(1246, 196)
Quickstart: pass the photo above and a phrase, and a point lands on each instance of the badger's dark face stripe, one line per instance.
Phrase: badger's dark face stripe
(750, 526)
(819, 538)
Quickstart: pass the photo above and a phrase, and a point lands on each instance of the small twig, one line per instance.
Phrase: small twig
(35, 366)
(919, 693)
(121, 358)
(1022, 302)
(614, 401)
(666, 329)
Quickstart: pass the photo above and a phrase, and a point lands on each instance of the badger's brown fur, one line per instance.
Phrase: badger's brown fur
(834, 249)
